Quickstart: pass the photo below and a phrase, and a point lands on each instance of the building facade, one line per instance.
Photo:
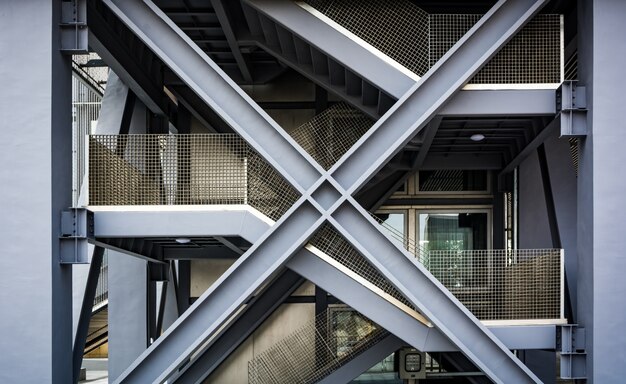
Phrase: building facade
(278, 191)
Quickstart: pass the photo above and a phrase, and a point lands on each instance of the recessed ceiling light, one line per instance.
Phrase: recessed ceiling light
(477, 137)
(183, 240)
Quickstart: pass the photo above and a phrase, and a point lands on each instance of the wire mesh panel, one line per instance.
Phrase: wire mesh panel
(496, 284)
(398, 28)
(417, 40)
(329, 135)
(533, 56)
(501, 284)
(316, 349)
(328, 240)
(184, 170)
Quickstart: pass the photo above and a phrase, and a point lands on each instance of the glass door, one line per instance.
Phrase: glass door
(454, 242)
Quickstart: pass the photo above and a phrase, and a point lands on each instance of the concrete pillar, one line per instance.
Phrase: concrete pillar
(601, 186)
(36, 178)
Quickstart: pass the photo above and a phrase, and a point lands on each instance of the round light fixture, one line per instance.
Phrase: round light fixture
(477, 137)
(183, 240)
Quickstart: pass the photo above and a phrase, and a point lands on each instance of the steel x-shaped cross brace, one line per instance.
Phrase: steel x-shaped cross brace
(326, 195)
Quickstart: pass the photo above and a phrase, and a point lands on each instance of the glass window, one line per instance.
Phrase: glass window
(450, 239)
(453, 231)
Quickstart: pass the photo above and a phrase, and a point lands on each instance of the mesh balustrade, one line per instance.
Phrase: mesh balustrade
(184, 170)
(329, 135)
(417, 40)
(223, 169)
(316, 349)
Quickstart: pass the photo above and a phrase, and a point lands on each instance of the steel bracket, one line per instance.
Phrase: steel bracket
(571, 344)
(74, 34)
(77, 228)
(571, 105)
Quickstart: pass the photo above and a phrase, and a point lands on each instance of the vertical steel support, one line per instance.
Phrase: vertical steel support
(36, 179)
(601, 208)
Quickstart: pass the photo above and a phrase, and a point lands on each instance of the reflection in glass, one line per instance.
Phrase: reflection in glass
(449, 237)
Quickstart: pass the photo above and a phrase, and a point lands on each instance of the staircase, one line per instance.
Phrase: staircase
(264, 261)
(311, 353)
(309, 45)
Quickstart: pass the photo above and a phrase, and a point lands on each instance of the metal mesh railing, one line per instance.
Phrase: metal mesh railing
(401, 31)
(316, 349)
(184, 170)
(532, 56)
(86, 102)
(496, 284)
(330, 242)
(417, 40)
(500, 284)
(102, 289)
(329, 135)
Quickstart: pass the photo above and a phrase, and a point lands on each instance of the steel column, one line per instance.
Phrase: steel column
(36, 179)
(601, 208)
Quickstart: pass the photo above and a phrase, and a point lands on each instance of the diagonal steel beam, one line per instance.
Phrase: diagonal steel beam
(86, 311)
(256, 313)
(430, 297)
(428, 96)
(323, 192)
(101, 39)
(218, 91)
(258, 266)
(365, 360)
